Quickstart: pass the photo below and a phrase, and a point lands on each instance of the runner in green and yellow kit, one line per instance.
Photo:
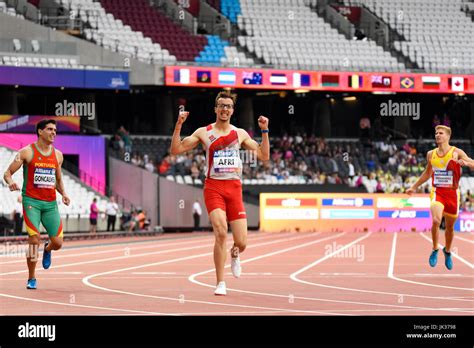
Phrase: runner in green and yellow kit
(41, 178)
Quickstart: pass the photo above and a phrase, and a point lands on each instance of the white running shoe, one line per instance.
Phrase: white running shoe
(235, 262)
(220, 289)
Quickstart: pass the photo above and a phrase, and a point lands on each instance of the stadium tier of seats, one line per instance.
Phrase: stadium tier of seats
(291, 35)
(46, 61)
(438, 34)
(141, 17)
(4, 8)
(81, 195)
(111, 33)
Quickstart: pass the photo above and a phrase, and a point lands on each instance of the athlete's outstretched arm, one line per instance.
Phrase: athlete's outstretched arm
(263, 149)
(424, 176)
(20, 158)
(59, 179)
(179, 146)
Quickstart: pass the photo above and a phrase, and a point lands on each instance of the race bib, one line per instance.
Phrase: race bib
(443, 178)
(226, 161)
(44, 178)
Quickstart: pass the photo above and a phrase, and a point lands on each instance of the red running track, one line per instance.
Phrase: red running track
(282, 274)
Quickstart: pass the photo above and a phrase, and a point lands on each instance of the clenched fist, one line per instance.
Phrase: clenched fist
(263, 122)
(183, 115)
(14, 187)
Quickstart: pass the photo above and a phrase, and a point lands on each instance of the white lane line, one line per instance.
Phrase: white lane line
(87, 282)
(464, 239)
(252, 274)
(131, 255)
(294, 277)
(348, 274)
(83, 306)
(192, 278)
(157, 273)
(392, 276)
(437, 275)
(96, 307)
(130, 247)
(456, 256)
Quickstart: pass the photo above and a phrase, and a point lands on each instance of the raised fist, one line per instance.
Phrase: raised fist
(183, 115)
(263, 122)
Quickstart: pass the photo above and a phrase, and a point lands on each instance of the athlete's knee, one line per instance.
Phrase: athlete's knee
(436, 221)
(56, 245)
(449, 230)
(220, 230)
(34, 240)
(241, 245)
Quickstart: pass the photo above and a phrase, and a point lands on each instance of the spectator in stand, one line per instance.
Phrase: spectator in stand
(197, 212)
(436, 121)
(364, 127)
(351, 169)
(141, 218)
(194, 171)
(94, 213)
(112, 210)
(165, 165)
(125, 135)
(150, 166)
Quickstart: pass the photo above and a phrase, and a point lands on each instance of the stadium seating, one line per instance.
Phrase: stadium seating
(140, 16)
(111, 33)
(81, 195)
(288, 34)
(438, 34)
(4, 8)
(45, 61)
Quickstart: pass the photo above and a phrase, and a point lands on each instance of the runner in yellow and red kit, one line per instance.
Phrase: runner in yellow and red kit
(445, 171)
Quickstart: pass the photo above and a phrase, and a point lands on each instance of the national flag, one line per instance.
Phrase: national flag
(181, 76)
(227, 78)
(330, 80)
(252, 78)
(204, 76)
(407, 82)
(278, 79)
(355, 81)
(379, 81)
(301, 80)
(431, 82)
(458, 83)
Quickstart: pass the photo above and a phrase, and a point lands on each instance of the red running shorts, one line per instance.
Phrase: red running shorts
(226, 195)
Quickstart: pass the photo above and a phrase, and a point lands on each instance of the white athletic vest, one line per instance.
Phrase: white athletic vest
(223, 160)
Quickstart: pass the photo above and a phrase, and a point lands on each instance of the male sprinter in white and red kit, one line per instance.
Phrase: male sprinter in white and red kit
(223, 186)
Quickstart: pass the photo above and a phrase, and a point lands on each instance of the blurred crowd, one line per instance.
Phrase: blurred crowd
(379, 166)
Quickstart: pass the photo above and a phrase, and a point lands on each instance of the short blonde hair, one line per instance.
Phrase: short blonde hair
(446, 128)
